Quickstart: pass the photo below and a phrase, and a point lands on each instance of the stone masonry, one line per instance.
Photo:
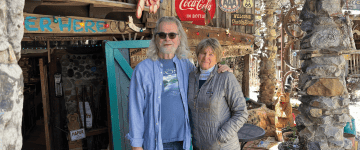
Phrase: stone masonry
(11, 78)
(267, 64)
(324, 109)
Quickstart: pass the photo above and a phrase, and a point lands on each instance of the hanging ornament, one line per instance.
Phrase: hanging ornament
(55, 20)
(234, 38)
(218, 34)
(133, 26)
(141, 30)
(208, 35)
(197, 33)
(106, 25)
(186, 30)
(82, 24)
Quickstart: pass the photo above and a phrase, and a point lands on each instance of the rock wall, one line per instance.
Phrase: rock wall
(11, 78)
(324, 109)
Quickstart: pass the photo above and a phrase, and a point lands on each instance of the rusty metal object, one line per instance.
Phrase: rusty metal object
(285, 22)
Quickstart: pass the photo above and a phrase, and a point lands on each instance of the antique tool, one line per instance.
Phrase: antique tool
(91, 99)
(78, 104)
(84, 100)
(58, 86)
(92, 104)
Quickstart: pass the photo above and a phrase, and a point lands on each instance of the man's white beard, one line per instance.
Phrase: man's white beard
(166, 51)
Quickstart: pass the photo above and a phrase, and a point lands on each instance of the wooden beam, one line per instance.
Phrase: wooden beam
(246, 78)
(97, 131)
(57, 114)
(45, 101)
(106, 3)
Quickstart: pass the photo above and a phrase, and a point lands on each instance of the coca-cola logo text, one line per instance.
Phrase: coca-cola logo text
(195, 4)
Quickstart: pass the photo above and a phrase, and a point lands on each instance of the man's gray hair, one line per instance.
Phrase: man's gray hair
(181, 52)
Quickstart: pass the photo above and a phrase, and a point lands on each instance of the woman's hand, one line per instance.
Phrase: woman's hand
(137, 148)
(223, 68)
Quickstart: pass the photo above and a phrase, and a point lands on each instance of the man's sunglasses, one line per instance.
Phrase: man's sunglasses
(162, 35)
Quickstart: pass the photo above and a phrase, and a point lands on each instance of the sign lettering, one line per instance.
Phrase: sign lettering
(242, 19)
(77, 134)
(191, 10)
(136, 56)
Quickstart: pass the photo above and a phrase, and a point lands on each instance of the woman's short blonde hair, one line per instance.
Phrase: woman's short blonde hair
(214, 44)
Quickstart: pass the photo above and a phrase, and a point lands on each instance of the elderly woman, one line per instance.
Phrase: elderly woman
(217, 105)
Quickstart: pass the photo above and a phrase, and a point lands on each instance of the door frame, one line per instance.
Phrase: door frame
(113, 54)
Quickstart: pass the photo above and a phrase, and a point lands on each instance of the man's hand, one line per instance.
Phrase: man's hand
(223, 68)
(136, 148)
(153, 4)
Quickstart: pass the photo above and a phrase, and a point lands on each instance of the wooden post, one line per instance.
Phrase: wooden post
(57, 110)
(217, 13)
(246, 80)
(173, 12)
(45, 101)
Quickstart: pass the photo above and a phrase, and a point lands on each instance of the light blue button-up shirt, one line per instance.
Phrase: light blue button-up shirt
(145, 103)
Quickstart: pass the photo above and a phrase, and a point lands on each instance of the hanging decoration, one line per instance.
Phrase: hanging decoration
(133, 26)
(55, 20)
(229, 6)
(106, 25)
(191, 10)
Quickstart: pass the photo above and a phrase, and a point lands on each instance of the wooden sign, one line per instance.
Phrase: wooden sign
(242, 19)
(35, 23)
(137, 55)
(229, 5)
(191, 10)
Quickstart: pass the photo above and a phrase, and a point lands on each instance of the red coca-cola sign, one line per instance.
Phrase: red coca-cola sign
(192, 10)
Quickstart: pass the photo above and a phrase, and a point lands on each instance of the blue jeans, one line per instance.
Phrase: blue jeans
(178, 145)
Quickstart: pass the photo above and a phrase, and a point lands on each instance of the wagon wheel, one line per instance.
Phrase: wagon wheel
(292, 18)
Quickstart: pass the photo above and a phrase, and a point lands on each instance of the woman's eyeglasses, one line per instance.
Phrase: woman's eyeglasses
(162, 35)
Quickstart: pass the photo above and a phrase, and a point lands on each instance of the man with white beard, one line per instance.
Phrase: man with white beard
(158, 109)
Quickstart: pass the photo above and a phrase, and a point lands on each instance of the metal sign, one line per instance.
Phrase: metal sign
(248, 3)
(229, 5)
(191, 10)
(77, 134)
(242, 19)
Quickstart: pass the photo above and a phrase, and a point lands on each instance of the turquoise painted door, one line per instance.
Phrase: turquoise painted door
(119, 74)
